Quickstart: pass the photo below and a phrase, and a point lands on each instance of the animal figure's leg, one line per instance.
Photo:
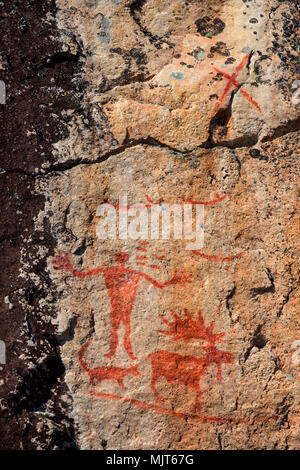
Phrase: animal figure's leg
(159, 398)
(120, 382)
(92, 378)
(127, 341)
(219, 374)
(115, 322)
(197, 405)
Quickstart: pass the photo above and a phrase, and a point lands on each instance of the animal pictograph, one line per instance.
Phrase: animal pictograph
(99, 374)
(122, 284)
(187, 328)
(188, 370)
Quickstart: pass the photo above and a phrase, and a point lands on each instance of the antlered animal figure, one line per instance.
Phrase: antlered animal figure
(188, 370)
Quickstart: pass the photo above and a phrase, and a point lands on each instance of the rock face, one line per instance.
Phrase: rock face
(145, 339)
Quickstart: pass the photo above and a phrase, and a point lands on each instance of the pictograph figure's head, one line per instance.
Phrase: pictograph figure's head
(122, 257)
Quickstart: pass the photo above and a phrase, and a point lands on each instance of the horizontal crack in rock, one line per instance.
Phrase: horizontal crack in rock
(150, 141)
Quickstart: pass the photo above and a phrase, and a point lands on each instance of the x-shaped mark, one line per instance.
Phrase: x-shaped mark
(232, 82)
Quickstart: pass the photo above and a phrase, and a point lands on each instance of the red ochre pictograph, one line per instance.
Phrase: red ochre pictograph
(217, 199)
(106, 372)
(142, 258)
(151, 203)
(232, 82)
(188, 370)
(205, 419)
(217, 258)
(174, 368)
(142, 245)
(122, 283)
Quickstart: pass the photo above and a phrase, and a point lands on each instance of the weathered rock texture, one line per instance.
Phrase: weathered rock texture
(164, 102)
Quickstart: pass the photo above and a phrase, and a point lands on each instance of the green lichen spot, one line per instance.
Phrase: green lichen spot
(201, 55)
(246, 50)
(92, 3)
(177, 74)
(209, 35)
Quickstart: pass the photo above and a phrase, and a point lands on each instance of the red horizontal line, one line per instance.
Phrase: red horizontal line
(142, 258)
(187, 201)
(217, 258)
(148, 265)
(142, 249)
(159, 257)
(205, 419)
(206, 203)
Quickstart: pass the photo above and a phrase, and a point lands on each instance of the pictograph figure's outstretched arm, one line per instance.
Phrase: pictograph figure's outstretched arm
(178, 278)
(63, 262)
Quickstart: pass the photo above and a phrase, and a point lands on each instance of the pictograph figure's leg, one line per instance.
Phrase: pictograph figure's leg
(114, 341)
(127, 341)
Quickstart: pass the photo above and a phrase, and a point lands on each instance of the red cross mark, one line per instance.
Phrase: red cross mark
(232, 81)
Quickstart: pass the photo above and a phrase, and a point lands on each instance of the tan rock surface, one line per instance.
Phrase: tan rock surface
(155, 126)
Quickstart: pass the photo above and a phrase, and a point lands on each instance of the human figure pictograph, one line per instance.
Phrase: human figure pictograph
(122, 283)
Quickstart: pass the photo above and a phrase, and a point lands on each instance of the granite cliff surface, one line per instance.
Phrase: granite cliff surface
(140, 342)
